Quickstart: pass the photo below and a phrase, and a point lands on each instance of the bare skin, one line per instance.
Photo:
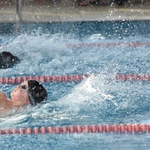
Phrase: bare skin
(19, 99)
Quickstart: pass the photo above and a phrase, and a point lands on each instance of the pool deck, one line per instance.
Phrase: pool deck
(76, 13)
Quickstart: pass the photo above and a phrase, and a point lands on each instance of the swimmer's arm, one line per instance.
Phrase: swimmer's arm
(3, 98)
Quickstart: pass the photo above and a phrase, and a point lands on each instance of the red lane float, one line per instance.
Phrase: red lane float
(107, 128)
(134, 77)
(68, 78)
(108, 44)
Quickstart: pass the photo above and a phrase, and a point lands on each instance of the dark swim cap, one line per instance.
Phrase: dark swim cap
(37, 92)
(8, 60)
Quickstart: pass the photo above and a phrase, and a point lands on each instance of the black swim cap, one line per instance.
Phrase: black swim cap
(8, 60)
(37, 92)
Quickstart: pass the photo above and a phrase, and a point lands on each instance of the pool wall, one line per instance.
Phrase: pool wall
(62, 11)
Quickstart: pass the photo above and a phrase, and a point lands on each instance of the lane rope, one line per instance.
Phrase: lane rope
(100, 44)
(108, 44)
(134, 77)
(68, 78)
(107, 128)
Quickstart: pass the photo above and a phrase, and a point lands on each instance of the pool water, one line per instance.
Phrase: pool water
(80, 48)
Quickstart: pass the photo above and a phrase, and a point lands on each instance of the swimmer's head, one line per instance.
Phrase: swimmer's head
(36, 91)
(8, 60)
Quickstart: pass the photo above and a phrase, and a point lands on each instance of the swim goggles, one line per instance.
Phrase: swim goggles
(32, 101)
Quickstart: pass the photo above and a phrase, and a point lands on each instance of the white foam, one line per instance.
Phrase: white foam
(90, 90)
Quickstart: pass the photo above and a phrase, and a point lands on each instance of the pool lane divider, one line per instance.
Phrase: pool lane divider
(108, 44)
(107, 128)
(53, 78)
(68, 78)
(134, 77)
(103, 44)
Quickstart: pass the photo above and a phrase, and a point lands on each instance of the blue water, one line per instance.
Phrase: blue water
(97, 99)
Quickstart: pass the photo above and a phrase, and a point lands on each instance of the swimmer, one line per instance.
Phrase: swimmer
(8, 60)
(29, 92)
(120, 2)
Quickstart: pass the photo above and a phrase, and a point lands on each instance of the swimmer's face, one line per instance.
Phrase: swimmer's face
(19, 95)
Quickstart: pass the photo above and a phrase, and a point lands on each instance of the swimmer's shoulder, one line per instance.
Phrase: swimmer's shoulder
(3, 98)
(2, 95)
